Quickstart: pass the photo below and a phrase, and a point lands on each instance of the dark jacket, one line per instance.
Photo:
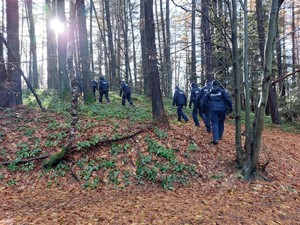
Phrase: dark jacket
(194, 93)
(94, 83)
(202, 93)
(179, 97)
(103, 85)
(124, 88)
(217, 99)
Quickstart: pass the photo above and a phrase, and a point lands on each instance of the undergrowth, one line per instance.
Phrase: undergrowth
(103, 154)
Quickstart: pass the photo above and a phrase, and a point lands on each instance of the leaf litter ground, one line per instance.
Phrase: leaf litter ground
(126, 172)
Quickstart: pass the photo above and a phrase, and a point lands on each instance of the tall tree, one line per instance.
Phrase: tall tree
(52, 72)
(167, 52)
(91, 38)
(14, 95)
(35, 78)
(84, 52)
(62, 51)
(158, 111)
(143, 48)
(252, 153)
(205, 27)
(272, 102)
(193, 75)
(112, 55)
(133, 36)
(237, 81)
(3, 72)
(246, 73)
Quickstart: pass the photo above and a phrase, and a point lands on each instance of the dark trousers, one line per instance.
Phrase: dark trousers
(204, 116)
(217, 120)
(105, 93)
(180, 113)
(94, 92)
(128, 97)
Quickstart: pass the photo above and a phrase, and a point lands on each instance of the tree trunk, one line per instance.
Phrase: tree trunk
(13, 95)
(112, 55)
(158, 111)
(143, 48)
(252, 156)
(133, 43)
(279, 65)
(160, 50)
(237, 83)
(272, 107)
(168, 67)
(35, 77)
(207, 41)
(62, 52)
(193, 75)
(52, 72)
(91, 40)
(246, 76)
(84, 52)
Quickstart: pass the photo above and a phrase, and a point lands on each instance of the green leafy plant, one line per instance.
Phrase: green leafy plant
(117, 149)
(159, 150)
(29, 132)
(217, 176)
(167, 182)
(192, 147)
(160, 133)
(91, 184)
(113, 176)
(26, 152)
(12, 182)
(29, 166)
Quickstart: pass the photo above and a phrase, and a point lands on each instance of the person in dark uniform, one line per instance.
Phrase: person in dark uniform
(103, 89)
(125, 93)
(95, 87)
(204, 113)
(194, 93)
(219, 101)
(180, 100)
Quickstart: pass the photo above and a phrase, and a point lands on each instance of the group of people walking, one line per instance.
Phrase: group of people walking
(103, 87)
(211, 102)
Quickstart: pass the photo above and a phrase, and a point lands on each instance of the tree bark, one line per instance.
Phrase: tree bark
(84, 52)
(143, 48)
(158, 111)
(62, 52)
(207, 41)
(13, 93)
(35, 76)
(112, 55)
(237, 83)
(52, 72)
(253, 152)
(193, 75)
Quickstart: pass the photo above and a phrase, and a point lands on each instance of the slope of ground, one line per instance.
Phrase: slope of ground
(203, 186)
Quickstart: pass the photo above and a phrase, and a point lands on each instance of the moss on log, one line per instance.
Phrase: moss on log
(55, 159)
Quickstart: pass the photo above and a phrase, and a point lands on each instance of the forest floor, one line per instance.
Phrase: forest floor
(215, 193)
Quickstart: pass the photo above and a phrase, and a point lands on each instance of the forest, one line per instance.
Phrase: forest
(68, 158)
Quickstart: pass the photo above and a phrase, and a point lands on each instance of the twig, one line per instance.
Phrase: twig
(25, 160)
